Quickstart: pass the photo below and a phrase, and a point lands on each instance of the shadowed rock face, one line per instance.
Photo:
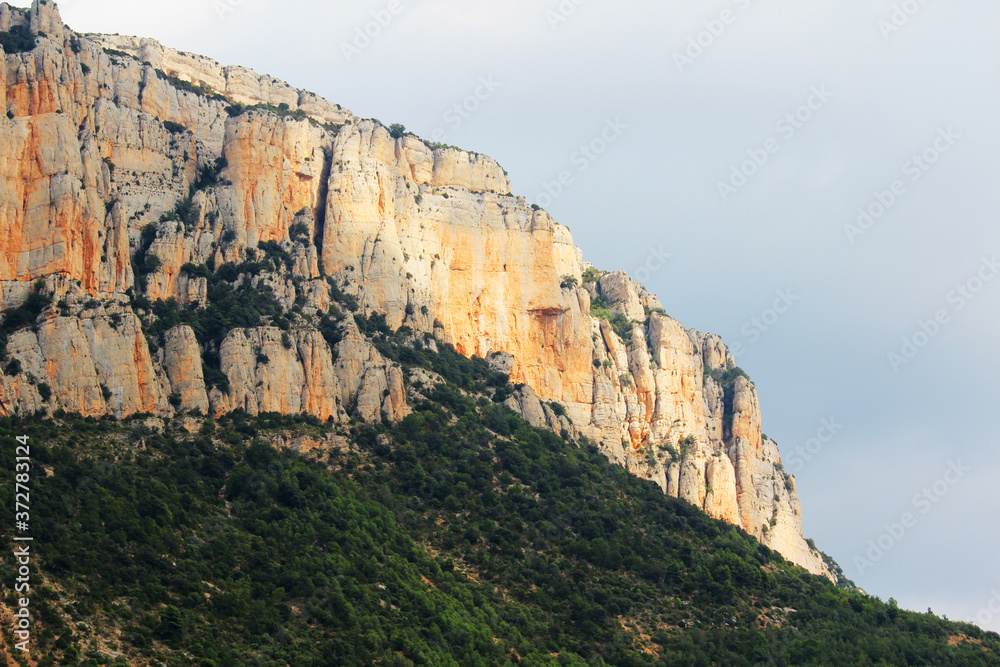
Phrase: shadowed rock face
(106, 135)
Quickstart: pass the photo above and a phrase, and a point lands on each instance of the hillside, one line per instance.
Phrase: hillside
(173, 234)
(461, 536)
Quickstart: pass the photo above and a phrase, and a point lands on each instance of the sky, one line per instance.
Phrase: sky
(815, 181)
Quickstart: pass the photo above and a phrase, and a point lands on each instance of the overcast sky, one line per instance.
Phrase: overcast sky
(891, 112)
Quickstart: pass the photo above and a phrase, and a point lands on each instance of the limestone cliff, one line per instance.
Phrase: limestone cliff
(146, 186)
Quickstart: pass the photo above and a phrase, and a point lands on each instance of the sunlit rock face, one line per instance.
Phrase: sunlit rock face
(104, 136)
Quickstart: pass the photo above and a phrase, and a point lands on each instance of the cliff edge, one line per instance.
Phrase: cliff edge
(176, 235)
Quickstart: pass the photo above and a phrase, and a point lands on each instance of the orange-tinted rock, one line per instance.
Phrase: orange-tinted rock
(102, 147)
(182, 362)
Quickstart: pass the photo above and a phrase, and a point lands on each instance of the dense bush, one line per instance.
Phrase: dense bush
(201, 88)
(23, 316)
(602, 308)
(174, 128)
(143, 263)
(404, 347)
(17, 40)
(209, 174)
(726, 378)
(621, 324)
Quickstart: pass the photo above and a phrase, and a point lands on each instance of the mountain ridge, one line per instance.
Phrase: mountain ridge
(137, 174)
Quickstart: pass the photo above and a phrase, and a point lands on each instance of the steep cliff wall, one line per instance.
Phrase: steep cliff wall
(152, 190)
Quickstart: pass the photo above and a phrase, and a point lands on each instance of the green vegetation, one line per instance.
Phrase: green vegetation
(117, 53)
(201, 89)
(621, 324)
(591, 275)
(236, 110)
(299, 232)
(726, 378)
(174, 128)
(25, 315)
(437, 145)
(183, 212)
(463, 373)
(144, 263)
(654, 311)
(397, 131)
(686, 444)
(17, 40)
(227, 308)
(461, 536)
(277, 257)
(282, 110)
(209, 174)
(602, 308)
(341, 297)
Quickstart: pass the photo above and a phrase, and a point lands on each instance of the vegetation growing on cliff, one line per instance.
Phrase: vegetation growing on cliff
(726, 378)
(23, 316)
(201, 89)
(461, 536)
(17, 40)
(601, 308)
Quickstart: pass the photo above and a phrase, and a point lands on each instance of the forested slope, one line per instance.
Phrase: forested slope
(461, 536)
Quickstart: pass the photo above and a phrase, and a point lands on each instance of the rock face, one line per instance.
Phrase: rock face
(182, 361)
(127, 169)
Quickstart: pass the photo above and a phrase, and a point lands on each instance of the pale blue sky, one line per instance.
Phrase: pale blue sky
(554, 84)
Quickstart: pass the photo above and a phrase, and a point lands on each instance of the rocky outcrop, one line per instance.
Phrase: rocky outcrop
(182, 362)
(274, 371)
(94, 363)
(133, 173)
(239, 84)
